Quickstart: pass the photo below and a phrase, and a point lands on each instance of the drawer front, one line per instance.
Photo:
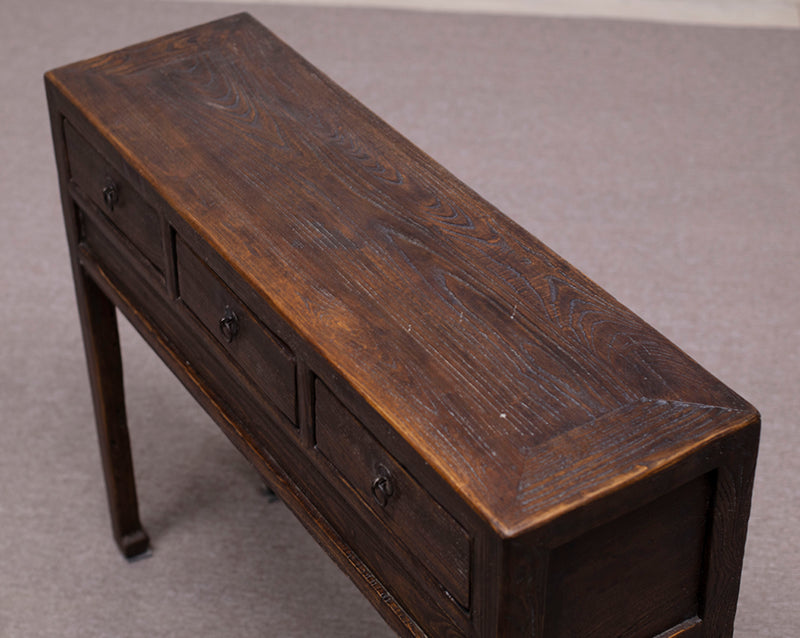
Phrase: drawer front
(392, 495)
(260, 354)
(104, 186)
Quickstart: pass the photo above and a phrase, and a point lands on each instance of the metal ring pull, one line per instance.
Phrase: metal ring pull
(229, 324)
(110, 194)
(382, 487)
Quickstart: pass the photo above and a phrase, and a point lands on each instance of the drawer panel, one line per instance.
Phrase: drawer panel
(260, 354)
(104, 186)
(110, 252)
(392, 495)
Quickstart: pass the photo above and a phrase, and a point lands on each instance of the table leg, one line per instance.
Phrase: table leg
(101, 341)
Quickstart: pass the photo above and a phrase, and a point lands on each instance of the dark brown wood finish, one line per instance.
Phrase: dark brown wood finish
(486, 442)
(256, 349)
(381, 486)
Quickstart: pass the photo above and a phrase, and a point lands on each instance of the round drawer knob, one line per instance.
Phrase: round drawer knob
(382, 487)
(229, 324)
(110, 194)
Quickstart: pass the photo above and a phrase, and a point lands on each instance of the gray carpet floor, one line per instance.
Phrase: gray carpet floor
(664, 161)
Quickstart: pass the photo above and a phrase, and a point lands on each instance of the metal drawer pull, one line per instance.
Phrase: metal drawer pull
(229, 324)
(382, 487)
(110, 194)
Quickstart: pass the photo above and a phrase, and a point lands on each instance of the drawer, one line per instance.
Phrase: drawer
(103, 186)
(258, 351)
(392, 495)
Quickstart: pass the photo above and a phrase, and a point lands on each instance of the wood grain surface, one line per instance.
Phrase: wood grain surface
(522, 383)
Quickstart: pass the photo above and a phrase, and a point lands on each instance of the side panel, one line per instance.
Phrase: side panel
(636, 576)
(658, 559)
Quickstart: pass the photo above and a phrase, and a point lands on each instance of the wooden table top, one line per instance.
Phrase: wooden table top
(528, 388)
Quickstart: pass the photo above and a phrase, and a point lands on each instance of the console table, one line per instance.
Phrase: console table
(484, 440)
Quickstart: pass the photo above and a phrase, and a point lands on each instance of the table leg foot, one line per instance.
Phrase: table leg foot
(135, 545)
(267, 491)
